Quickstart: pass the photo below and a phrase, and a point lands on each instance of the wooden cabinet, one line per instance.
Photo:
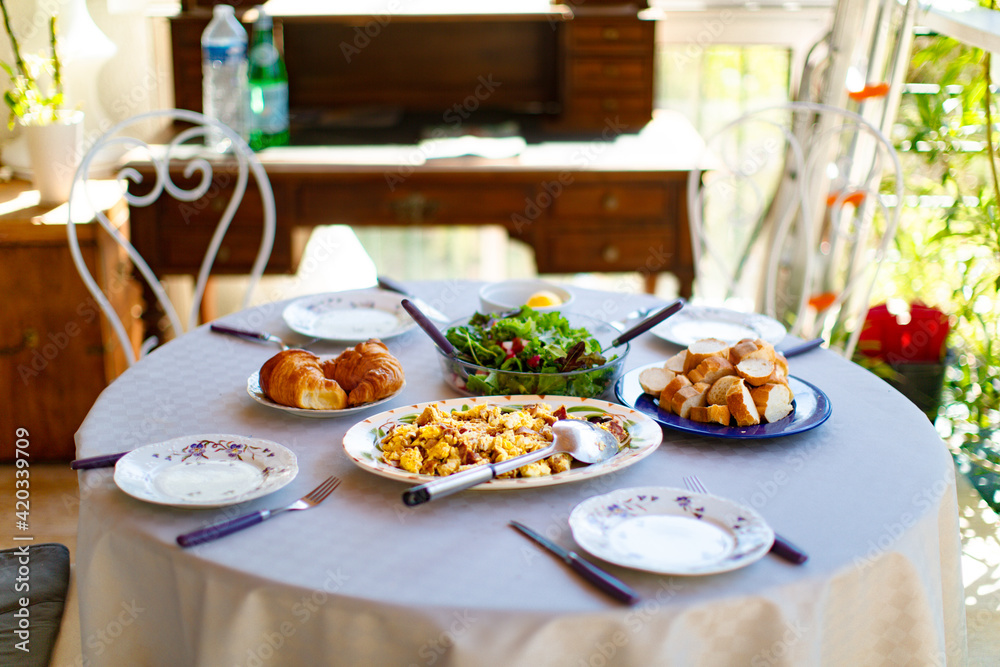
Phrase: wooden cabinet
(572, 68)
(57, 352)
(619, 223)
(608, 72)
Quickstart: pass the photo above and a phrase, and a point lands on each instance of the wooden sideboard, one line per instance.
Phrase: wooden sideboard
(57, 352)
(565, 67)
(616, 204)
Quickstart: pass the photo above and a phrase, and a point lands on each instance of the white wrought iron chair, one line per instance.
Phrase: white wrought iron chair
(787, 218)
(187, 147)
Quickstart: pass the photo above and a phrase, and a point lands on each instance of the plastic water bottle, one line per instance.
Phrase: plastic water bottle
(224, 74)
(268, 87)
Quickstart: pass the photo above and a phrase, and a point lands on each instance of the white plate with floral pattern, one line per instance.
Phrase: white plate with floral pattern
(350, 316)
(211, 470)
(693, 323)
(362, 440)
(670, 531)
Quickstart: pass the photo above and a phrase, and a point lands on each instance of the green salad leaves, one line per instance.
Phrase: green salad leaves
(531, 342)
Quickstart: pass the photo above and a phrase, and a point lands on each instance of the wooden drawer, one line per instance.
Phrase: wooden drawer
(609, 35)
(611, 102)
(611, 201)
(155, 236)
(643, 247)
(57, 351)
(623, 73)
(411, 203)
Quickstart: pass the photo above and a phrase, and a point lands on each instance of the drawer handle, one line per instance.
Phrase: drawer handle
(610, 34)
(609, 104)
(413, 208)
(610, 202)
(611, 253)
(29, 341)
(224, 254)
(611, 70)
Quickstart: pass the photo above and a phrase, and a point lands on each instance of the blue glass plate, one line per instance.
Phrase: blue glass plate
(812, 408)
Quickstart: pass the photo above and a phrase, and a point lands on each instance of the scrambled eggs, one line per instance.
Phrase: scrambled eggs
(439, 443)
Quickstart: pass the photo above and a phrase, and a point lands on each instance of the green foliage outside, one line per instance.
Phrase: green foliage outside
(947, 251)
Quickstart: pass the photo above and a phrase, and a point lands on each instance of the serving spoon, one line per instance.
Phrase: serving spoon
(583, 440)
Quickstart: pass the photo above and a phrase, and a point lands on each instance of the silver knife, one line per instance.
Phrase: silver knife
(595, 575)
(426, 308)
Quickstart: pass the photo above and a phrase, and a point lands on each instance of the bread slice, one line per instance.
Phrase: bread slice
(755, 371)
(773, 401)
(653, 380)
(717, 394)
(741, 349)
(711, 369)
(668, 392)
(676, 362)
(741, 405)
(702, 349)
(780, 373)
(717, 414)
(688, 397)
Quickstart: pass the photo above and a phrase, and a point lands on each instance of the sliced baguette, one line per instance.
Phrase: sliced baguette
(668, 392)
(711, 369)
(676, 362)
(755, 371)
(741, 349)
(702, 349)
(653, 380)
(688, 397)
(717, 414)
(717, 394)
(741, 405)
(773, 401)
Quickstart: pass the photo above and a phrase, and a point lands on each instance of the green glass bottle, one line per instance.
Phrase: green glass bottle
(268, 87)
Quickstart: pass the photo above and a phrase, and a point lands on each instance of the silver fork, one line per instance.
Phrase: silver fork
(781, 547)
(217, 530)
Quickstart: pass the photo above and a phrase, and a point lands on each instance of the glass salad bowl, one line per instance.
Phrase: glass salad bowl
(531, 352)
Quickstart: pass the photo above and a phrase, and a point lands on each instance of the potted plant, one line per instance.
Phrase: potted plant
(35, 99)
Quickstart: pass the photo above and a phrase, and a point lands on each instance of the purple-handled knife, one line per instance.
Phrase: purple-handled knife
(595, 575)
(103, 461)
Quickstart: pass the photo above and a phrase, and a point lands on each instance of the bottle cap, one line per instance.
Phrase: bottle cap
(263, 19)
(223, 10)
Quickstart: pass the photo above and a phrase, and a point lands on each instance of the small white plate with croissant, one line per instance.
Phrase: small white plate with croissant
(301, 383)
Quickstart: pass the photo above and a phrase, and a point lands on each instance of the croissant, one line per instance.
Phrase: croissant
(367, 373)
(295, 378)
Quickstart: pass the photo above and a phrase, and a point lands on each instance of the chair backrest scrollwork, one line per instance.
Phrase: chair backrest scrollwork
(121, 145)
(790, 218)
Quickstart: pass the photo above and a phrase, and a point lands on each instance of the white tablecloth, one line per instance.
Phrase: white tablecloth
(365, 580)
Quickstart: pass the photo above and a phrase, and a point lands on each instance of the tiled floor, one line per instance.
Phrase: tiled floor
(55, 497)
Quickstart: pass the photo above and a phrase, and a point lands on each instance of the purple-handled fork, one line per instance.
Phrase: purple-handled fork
(223, 528)
(781, 547)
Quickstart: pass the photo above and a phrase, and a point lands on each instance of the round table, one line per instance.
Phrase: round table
(365, 580)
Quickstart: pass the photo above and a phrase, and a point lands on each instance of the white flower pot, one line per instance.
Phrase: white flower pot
(55, 150)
